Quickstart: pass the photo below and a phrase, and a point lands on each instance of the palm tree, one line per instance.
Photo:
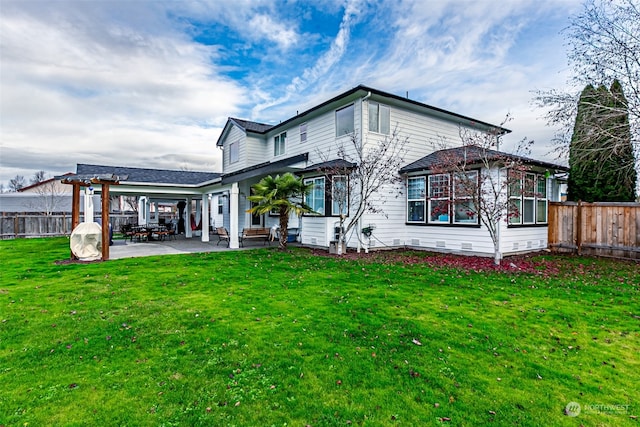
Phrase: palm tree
(284, 194)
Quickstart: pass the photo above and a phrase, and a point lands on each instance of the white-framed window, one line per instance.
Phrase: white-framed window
(303, 132)
(528, 199)
(234, 152)
(220, 205)
(315, 197)
(345, 120)
(279, 144)
(339, 195)
(416, 197)
(443, 199)
(465, 187)
(439, 193)
(379, 118)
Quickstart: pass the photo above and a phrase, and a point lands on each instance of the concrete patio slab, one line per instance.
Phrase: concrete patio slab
(181, 245)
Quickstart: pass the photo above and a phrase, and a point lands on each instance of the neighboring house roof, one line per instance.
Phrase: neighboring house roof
(151, 176)
(33, 187)
(359, 91)
(471, 154)
(336, 164)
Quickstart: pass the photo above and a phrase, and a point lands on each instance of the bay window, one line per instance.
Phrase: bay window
(439, 199)
(528, 201)
(416, 197)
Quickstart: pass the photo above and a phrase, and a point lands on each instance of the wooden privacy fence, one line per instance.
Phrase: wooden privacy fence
(34, 225)
(601, 229)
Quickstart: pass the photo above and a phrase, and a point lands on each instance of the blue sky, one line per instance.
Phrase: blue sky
(151, 83)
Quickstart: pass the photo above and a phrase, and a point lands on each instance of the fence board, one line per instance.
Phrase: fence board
(602, 229)
(36, 225)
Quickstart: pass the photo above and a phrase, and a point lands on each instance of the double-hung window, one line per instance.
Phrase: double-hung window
(339, 195)
(279, 144)
(303, 132)
(345, 121)
(234, 152)
(416, 196)
(315, 197)
(465, 189)
(439, 198)
(379, 118)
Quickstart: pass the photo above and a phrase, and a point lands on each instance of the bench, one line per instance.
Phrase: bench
(255, 233)
(223, 235)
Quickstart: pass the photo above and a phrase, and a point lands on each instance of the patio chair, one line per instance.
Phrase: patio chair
(223, 235)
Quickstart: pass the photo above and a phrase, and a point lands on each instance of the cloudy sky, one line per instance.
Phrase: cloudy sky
(151, 83)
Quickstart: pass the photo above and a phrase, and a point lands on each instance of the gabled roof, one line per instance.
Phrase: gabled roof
(250, 126)
(151, 176)
(361, 91)
(470, 154)
(41, 183)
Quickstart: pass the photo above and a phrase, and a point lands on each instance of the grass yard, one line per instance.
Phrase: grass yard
(265, 338)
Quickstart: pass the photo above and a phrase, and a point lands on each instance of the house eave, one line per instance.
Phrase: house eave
(264, 168)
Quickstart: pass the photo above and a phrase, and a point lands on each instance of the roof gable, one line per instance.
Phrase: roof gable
(246, 126)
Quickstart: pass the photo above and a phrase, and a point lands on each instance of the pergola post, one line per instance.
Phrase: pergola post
(105, 222)
(75, 210)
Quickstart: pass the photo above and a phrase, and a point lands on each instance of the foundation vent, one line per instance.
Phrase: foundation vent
(314, 241)
(441, 244)
(516, 245)
(467, 246)
(529, 244)
(415, 242)
(543, 243)
(396, 242)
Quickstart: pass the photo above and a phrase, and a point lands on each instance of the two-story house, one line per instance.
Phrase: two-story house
(419, 217)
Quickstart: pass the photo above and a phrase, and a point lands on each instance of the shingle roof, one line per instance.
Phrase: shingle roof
(155, 176)
(251, 126)
(472, 154)
(336, 164)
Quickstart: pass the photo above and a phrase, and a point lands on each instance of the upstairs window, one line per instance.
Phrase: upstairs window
(234, 152)
(303, 132)
(379, 120)
(345, 121)
(279, 143)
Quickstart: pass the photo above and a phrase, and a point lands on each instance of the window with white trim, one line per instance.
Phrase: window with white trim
(339, 195)
(303, 132)
(439, 199)
(234, 152)
(379, 118)
(465, 187)
(345, 121)
(220, 205)
(315, 197)
(279, 144)
(416, 197)
(444, 198)
(528, 200)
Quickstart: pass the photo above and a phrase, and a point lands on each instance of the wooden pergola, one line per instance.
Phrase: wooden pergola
(79, 181)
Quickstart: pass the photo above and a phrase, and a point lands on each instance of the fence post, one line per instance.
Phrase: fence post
(579, 227)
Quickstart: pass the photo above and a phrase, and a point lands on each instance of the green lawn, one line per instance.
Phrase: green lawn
(262, 338)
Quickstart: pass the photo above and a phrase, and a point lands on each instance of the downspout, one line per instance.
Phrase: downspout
(366, 97)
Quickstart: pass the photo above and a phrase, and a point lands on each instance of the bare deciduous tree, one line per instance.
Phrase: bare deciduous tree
(16, 183)
(50, 197)
(479, 179)
(38, 177)
(604, 45)
(361, 176)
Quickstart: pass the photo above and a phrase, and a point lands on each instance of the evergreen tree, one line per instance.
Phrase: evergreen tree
(601, 155)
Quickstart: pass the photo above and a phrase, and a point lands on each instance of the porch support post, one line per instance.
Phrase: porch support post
(188, 233)
(205, 217)
(233, 217)
(141, 209)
